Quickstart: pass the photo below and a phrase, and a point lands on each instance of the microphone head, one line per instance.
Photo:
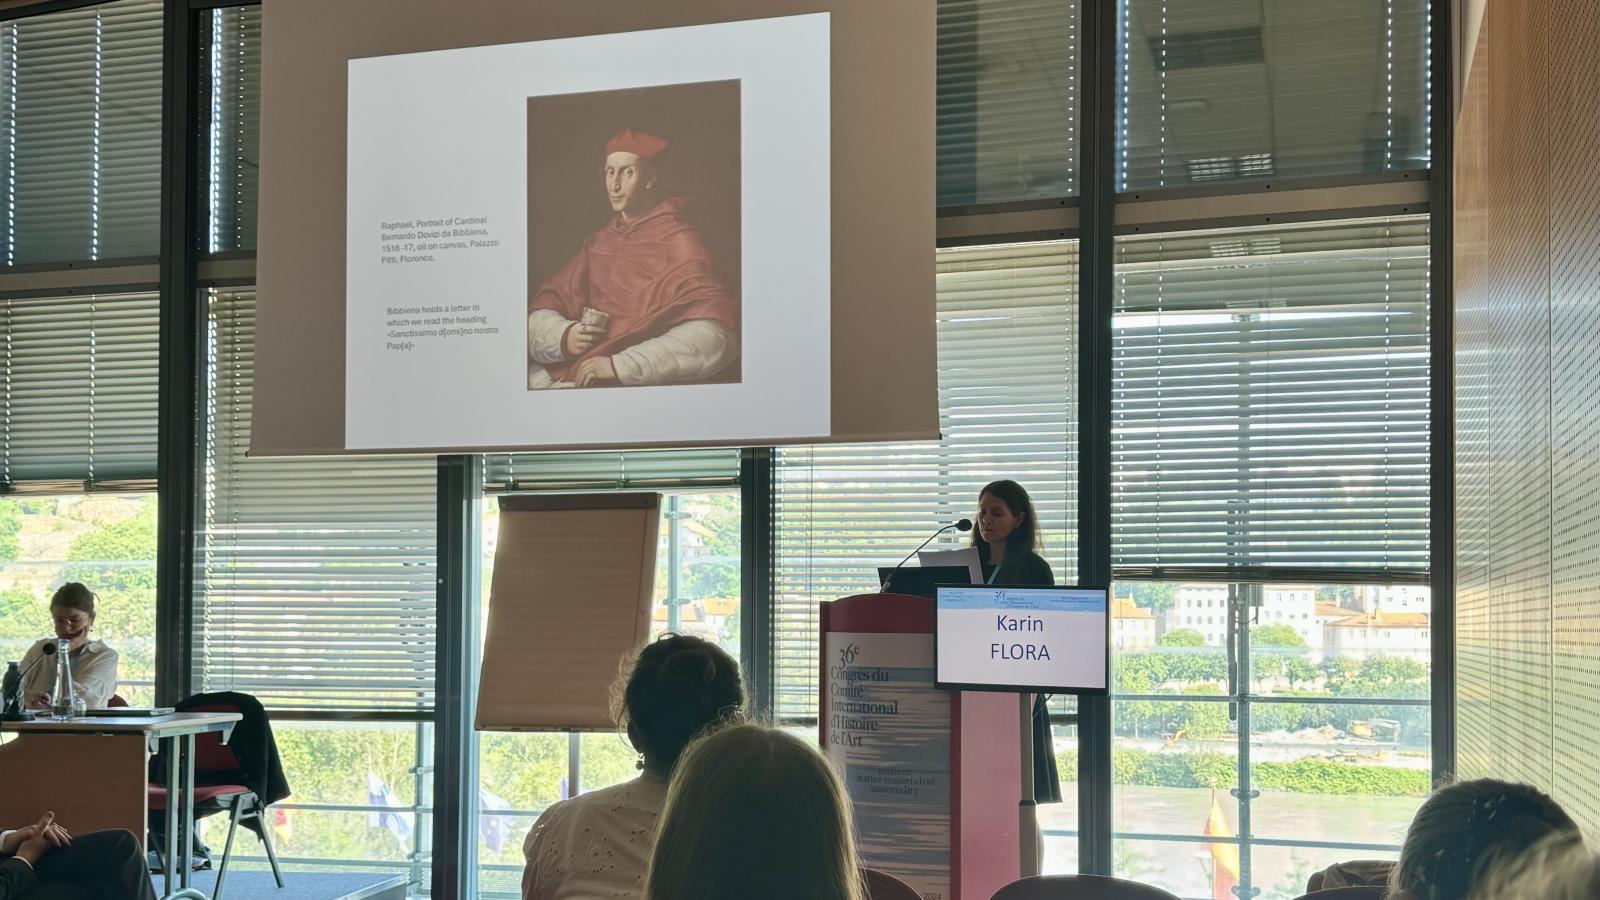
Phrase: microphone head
(964, 525)
(49, 648)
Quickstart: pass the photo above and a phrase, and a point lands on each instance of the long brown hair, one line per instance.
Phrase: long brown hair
(754, 812)
(1025, 538)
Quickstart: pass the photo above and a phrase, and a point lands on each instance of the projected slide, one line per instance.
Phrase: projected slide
(616, 239)
(1022, 638)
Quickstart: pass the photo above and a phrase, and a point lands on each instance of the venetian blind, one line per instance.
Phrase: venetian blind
(231, 51)
(317, 589)
(1270, 404)
(1007, 104)
(80, 134)
(1007, 344)
(78, 389)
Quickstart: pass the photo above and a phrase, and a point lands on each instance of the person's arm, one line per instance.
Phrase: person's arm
(16, 878)
(546, 328)
(538, 849)
(96, 678)
(689, 351)
(1042, 571)
(34, 695)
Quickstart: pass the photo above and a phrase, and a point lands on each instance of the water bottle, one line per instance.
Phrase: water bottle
(61, 699)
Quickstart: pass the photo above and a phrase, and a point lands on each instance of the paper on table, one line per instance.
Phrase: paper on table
(966, 556)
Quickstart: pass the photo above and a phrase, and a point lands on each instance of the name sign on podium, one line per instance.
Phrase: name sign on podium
(1023, 639)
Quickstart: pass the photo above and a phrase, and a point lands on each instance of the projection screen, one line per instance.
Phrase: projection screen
(500, 224)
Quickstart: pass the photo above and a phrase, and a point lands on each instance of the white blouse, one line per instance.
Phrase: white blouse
(595, 846)
(94, 672)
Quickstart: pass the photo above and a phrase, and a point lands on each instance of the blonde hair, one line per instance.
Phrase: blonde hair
(1560, 867)
(754, 812)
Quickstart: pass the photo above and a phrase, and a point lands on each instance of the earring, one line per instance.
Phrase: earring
(639, 763)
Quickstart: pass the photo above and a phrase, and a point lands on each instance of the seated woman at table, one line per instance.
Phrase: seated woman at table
(94, 665)
(44, 862)
(596, 845)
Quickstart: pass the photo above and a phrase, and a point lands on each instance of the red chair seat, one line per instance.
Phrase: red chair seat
(158, 794)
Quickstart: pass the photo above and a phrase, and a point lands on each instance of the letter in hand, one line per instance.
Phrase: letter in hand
(596, 371)
(28, 844)
(587, 332)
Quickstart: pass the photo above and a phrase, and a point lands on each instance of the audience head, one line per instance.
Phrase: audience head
(1005, 513)
(754, 812)
(676, 688)
(1468, 828)
(1560, 867)
(72, 609)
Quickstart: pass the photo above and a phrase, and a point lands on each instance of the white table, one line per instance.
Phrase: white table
(172, 735)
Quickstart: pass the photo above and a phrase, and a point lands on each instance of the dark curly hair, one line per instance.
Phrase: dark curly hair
(677, 687)
(1467, 828)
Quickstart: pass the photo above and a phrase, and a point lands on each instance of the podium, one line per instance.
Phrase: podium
(932, 775)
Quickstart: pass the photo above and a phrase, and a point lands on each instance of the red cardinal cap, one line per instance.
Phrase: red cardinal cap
(642, 144)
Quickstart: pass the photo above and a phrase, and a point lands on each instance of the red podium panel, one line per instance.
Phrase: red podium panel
(934, 776)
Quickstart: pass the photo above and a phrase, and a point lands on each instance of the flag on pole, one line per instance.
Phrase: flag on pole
(282, 825)
(391, 816)
(1224, 857)
(492, 829)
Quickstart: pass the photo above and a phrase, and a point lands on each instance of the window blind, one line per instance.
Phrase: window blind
(610, 471)
(1270, 399)
(80, 133)
(1226, 90)
(231, 49)
(78, 390)
(318, 583)
(1007, 105)
(1007, 344)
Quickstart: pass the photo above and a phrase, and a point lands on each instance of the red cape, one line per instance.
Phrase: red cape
(647, 274)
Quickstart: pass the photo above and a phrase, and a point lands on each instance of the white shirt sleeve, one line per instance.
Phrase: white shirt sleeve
(689, 351)
(94, 676)
(546, 328)
(539, 850)
(41, 676)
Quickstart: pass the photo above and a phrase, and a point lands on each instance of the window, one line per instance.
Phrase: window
(1007, 335)
(78, 390)
(318, 583)
(1007, 100)
(108, 542)
(316, 595)
(1007, 344)
(1271, 410)
(80, 134)
(698, 592)
(1331, 735)
(230, 74)
(1218, 91)
(1270, 415)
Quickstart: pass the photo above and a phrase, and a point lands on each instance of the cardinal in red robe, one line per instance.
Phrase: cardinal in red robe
(640, 303)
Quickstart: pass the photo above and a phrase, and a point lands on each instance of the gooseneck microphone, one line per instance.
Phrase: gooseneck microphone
(12, 688)
(962, 525)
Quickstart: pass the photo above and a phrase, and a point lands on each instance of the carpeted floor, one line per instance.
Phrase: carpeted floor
(258, 885)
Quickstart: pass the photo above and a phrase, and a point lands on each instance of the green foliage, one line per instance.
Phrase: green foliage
(1219, 770)
(1183, 637)
(1156, 596)
(1342, 594)
(1276, 635)
(10, 529)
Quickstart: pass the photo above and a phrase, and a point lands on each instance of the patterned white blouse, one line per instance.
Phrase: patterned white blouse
(595, 846)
